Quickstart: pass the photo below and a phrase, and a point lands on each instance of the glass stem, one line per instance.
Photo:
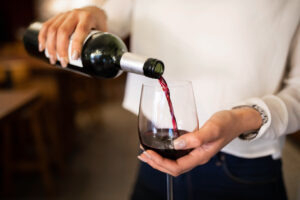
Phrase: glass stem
(169, 187)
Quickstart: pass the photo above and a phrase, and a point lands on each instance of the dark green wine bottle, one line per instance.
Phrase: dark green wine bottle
(103, 55)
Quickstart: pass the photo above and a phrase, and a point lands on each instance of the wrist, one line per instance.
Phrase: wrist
(248, 119)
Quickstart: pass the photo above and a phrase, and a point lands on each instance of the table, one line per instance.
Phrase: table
(12, 101)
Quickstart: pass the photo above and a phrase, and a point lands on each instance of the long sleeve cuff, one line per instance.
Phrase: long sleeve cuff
(276, 122)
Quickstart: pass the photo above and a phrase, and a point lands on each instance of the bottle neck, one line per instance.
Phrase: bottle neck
(133, 63)
(137, 64)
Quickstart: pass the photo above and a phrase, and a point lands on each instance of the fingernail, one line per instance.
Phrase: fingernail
(142, 159)
(141, 147)
(40, 47)
(75, 55)
(64, 62)
(147, 154)
(179, 144)
(52, 60)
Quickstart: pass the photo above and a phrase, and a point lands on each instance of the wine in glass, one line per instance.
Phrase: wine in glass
(166, 112)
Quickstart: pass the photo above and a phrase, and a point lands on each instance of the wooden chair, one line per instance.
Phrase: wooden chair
(46, 145)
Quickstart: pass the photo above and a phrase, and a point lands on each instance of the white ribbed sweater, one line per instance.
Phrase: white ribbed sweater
(234, 52)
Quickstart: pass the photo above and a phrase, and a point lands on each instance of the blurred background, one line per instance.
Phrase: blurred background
(65, 136)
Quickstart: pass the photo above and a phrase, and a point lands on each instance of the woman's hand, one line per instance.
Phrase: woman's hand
(217, 132)
(56, 32)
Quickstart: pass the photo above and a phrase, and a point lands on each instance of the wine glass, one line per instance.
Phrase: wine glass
(164, 116)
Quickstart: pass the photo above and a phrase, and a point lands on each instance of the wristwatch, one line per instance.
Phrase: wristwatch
(249, 135)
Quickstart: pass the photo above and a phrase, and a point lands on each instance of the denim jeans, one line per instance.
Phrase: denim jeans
(223, 177)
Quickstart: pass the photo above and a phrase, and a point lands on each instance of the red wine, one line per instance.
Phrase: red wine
(166, 90)
(161, 142)
(103, 55)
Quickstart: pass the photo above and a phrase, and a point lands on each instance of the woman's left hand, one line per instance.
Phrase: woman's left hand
(217, 132)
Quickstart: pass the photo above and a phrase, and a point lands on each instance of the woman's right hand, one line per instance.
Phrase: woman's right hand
(55, 33)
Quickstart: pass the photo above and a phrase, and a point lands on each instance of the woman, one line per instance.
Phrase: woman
(243, 60)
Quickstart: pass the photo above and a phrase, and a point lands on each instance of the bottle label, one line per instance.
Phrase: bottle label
(36, 26)
(77, 62)
(131, 62)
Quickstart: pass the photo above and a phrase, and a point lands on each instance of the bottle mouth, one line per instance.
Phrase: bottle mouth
(172, 83)
(153, 68)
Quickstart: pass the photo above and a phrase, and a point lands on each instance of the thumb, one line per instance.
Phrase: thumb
(195, 139)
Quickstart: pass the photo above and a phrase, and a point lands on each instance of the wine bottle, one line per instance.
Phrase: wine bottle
(103, 55)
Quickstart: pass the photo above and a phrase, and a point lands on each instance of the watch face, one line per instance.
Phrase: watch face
(249, 135)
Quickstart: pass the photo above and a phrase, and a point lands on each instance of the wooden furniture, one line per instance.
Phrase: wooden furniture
(26, 105)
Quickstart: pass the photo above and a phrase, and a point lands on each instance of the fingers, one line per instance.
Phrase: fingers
(81, 32)
(198, 156)
(205, 142)
(208, 133)
(173, 167)
(43, 32)
(51, 38)
(64, 32)
(154, 160)
(154, 165)
(188, 141)
(141, 147)
(55, 33)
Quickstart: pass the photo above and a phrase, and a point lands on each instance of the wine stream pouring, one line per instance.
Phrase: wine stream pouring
(165, 88)
(103, 55)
